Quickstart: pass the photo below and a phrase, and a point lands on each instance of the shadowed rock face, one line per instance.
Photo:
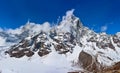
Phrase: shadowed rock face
(85, 59)
(17, 54)
(89, 62)
(116, 40)
(29, 53)
(116, 66)
(38, 44)
(43, 52)
(20, 53)
(113, 69)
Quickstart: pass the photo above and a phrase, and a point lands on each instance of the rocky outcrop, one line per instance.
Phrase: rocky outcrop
(85, 59)
(20, 53)
(116, 40)
(41, 44)
(113, 69)
(28, 53)
(43, 52)
(89, 62)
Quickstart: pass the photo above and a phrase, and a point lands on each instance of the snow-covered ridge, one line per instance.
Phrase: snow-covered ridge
(76, 46)
(16, 35)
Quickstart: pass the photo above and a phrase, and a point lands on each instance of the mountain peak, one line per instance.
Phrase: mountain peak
(69, 13)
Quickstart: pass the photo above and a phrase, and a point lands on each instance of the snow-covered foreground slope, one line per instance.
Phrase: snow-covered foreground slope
(51, 63)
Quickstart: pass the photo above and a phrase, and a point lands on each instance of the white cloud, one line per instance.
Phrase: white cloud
(14, 31)
(104, 28)
(32, 27)
(46, 27)
(41, 27)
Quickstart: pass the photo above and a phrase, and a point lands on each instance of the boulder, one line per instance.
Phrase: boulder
(85, 59)
(89, 62)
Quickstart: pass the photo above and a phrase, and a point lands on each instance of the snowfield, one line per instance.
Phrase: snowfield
(51, 63)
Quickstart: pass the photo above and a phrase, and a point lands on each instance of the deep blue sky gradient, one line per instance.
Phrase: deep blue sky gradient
(93, 13)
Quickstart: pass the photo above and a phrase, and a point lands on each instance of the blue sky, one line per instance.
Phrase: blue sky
(100, 15)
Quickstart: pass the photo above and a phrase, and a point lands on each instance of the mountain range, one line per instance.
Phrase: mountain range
(66, 47)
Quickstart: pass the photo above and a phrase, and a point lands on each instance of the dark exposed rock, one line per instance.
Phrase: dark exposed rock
(29, 53)
(56, 40)
(38, 45)
(12, 50)
(98, 45)
(89, 62)
(92, 39)
(109, 58)
(63, 48)
(110, 45)
(103, 45)
(59, 47)
(17, 54)
(43, 52)
(118, 45)
(115, 39)
(25, 44)
(85, 59)
(113, 69)
(116, 66)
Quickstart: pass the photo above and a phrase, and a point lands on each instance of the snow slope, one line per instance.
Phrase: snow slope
(51, 63)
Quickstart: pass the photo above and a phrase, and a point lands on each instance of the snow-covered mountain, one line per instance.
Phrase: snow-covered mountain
(13, 36)
(68, 47)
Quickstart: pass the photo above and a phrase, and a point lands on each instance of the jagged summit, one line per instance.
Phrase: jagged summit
(71, 20)
(70, 40)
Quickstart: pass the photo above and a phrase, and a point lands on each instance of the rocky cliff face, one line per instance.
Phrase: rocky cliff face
(98, 52)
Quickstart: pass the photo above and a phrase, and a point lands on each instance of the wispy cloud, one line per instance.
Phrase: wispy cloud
(104, 28)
